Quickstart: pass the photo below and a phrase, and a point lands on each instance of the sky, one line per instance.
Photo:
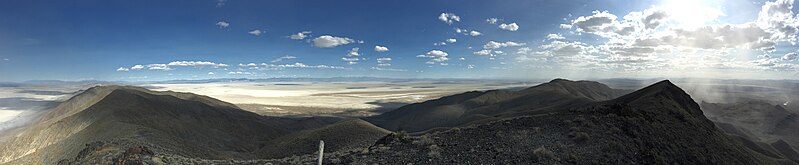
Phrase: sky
(515, 39)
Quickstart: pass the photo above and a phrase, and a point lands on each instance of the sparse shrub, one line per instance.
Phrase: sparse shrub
(402, 134)
(435, 151)
(543, 154)
(424, 140)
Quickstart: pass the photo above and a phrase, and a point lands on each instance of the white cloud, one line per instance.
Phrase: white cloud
(449, 18)
(249, 65)
(240, 73)
(555, 37)
(388, 69)
(452, 40)
(379, 48)
(482, 52)
(301, 65)
(222, 24)
(211, 73)
(137, 67)
(495, 45)
(122, 69)
(790, 56)
(286, 57)
(158, 67)
(561, 48)
(459, 30)
(492, 20)
(220, 3)
(300, 35)
(350, 61)
(196, 64)
(327, 41)
(777, 19)
(435, 56)
(256, 32)
(383, 62)
(565, 26)
(352, 56)
(509, 27)
(353, 52)
(475, 33)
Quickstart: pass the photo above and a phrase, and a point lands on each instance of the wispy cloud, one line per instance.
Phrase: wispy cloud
(286, 57)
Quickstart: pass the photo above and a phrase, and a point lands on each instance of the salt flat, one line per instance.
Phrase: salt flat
(328, 98)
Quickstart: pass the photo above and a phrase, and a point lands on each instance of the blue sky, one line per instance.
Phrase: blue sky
(106, 40)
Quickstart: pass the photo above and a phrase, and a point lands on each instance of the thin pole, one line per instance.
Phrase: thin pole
(321, 150)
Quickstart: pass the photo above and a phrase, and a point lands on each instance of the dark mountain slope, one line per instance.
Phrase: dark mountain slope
(659, 124)
(345, 135)
(475, 106)
(166, 122)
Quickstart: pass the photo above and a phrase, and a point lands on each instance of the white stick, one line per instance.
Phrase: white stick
(321, 150)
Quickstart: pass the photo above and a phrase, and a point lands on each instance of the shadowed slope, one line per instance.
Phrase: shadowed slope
(345, 135)
(659, 124)
(476, 106)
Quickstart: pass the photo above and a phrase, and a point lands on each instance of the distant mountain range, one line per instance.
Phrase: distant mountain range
(558, 122)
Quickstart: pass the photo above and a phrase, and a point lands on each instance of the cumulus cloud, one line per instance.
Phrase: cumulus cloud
(286, 57)
(222, 24)
(777, 19)
(353, 52)
(122, 69)
(327, 41)
(211, 73)
(475, 33)
(379, 48)
(495, 45)
(255, 32)
(790, 56)
(300, 35)
(492, 20)
(435, 56)
(509, 27)
(352, 56)
(555, 37)
(665, 36)
(451, 40)
(449, 18)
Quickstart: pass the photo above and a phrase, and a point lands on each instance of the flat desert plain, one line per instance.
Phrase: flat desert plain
(329, 98)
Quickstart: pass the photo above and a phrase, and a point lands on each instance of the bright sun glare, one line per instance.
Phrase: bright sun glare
(691, 13)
